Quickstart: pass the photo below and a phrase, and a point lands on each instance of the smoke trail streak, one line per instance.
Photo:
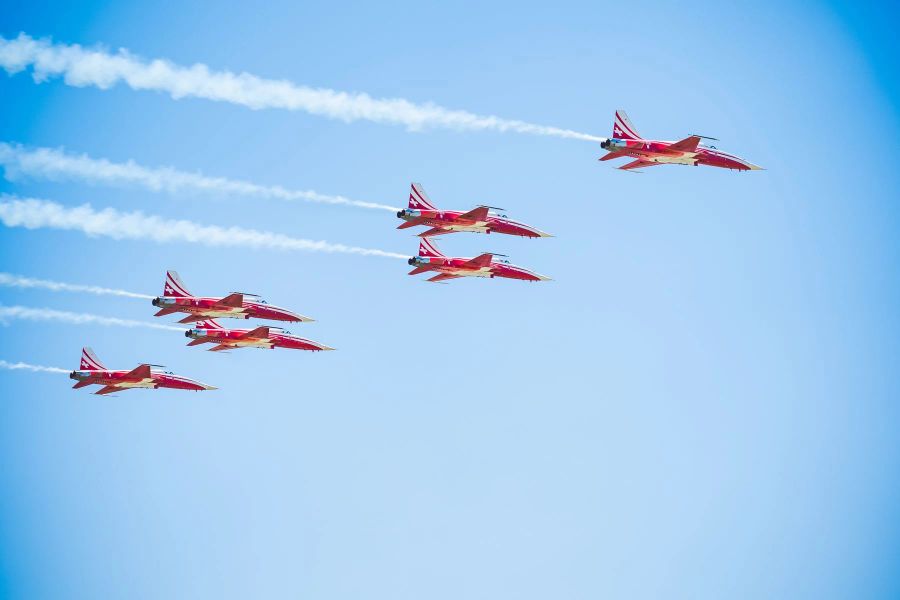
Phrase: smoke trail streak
(82, 67)
(32, 213)
(21, 366)
(55, 164)
(17, 281)
(9, 313)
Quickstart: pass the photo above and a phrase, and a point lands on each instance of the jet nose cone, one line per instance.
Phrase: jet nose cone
(205, 387)
(287, 315)
(542, 277)
(755, 167)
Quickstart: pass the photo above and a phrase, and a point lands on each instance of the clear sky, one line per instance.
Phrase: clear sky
(702, 404)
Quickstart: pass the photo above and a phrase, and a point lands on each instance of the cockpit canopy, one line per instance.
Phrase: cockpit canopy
(252, 297)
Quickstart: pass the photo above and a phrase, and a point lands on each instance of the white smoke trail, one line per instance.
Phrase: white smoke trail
(20, 366)
(8, 313)
(17, 281)
(35, 214)
(82, 67)
(54, 164)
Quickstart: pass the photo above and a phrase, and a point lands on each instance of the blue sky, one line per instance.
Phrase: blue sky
(700, 405)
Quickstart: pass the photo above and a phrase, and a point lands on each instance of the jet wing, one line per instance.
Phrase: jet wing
(688, 144)
(260, 333)
(482, 260)
(138, 373)
(418, 270)
(235, 300)
(109, 389)
(442, 277)
(476, 214)
(412, 223)
(435, 231)
(638, 164)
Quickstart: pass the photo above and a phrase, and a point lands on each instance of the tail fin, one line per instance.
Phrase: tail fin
(428, 249)
(419, 199)
(208, 324)
(174, 286)
(623, 129)
(89, 361)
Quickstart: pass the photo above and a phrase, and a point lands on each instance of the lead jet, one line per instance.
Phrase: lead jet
(236, 305)
(626, 142)
(484, 265)
(92, 372)
(210, 332)
(480, 219)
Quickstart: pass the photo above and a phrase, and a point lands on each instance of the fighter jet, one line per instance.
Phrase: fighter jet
(421, 211)
(92, 372)
(626, 142)
(236, 305)
(483, 265)
(210, 332)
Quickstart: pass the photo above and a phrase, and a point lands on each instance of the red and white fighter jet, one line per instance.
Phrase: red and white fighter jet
(483, 265)
(210, 332)
(237, 305)
(421, 211)
(626, 142)
(92, 372)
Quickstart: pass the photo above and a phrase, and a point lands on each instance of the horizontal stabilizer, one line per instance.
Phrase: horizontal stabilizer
(191, 319)
(165, 311)
(412, 223)
(197, 342)
(82, 384)
(220, 348)
(418, 270)
(614, 155)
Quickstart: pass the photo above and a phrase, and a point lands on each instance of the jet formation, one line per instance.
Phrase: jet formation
(421, 211)
(92, 372)
(202, 311)
(626, 142)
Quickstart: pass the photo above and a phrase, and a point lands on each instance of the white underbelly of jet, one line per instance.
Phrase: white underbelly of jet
(483, 272)
(470, 228)
(234, 312)
(144, 383)
(687, 159)
(253, 344)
